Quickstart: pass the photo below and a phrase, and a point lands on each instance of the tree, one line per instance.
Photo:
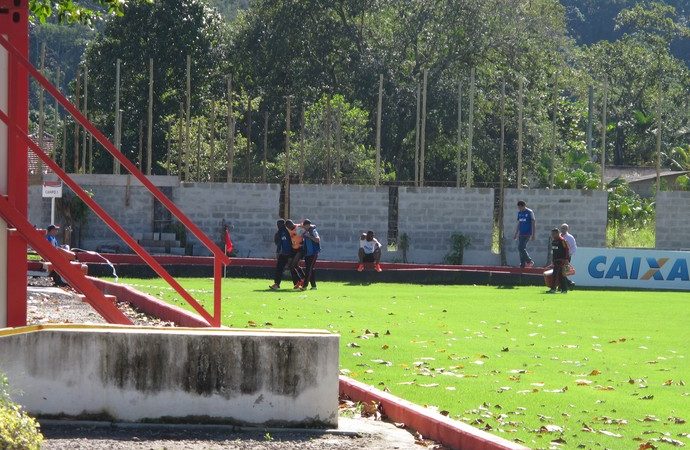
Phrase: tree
(149, 30)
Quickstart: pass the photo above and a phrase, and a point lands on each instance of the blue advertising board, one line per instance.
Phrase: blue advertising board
(631, 268)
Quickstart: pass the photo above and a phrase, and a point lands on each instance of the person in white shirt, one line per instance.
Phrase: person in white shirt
(572, 247)
(369, 251)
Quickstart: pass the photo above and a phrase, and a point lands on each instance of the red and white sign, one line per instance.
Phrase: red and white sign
(52, 189)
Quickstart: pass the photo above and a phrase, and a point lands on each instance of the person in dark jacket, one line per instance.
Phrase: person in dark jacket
(560, 257)
(311, 248)
(284, 254)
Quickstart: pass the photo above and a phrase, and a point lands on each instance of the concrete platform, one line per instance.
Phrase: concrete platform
(134, 374)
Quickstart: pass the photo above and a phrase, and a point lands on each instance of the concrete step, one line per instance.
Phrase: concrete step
(164, 236)
(180, 251)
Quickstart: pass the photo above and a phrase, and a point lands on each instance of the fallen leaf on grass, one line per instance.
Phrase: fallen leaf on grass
(371, 409)
(594, 373)
(353, 345)
(381, 361)
(557, 391)
(648, 418)
(647, 397)
(604, 388)
(550, 429)
(668, 383)
(430, 385)
(450, 388)
(251, 323)
(406, 383)
(582, 382)
(676, 420)
(610, 434)
(646, 446)
(668, 440)
(384, 347)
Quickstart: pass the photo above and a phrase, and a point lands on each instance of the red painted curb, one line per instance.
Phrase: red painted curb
(150, 305)
(431, 425)
(119, 258)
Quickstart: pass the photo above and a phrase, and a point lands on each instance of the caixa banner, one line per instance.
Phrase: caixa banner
(631, 268)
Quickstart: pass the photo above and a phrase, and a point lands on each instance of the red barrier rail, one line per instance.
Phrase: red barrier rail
(219, 255)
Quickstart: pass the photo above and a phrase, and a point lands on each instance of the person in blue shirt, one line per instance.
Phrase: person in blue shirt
(312, 247)
(51, 235)
(284, 254)
(525, 232)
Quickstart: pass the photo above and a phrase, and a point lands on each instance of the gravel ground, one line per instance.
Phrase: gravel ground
(48, 304)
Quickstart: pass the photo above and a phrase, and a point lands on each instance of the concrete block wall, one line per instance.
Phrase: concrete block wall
(251, 211)
(585, 211)
(341, 213)
(430, 215)
(672, 220)
(243, 377)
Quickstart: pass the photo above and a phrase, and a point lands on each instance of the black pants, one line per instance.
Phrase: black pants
(558, 277)
(310, 261)
(280, 267)
(295, 270)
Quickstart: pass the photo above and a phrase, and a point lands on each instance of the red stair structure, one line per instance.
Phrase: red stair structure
(13, 203)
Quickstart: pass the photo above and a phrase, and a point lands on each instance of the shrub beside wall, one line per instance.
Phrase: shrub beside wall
(18, 431)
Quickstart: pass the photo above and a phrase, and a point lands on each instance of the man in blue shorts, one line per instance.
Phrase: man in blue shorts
(524, 232)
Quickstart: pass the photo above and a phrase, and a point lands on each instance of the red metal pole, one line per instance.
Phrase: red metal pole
(14, 24)
(217, 277)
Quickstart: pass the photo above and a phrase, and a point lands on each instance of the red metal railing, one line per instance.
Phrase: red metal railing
(219, 255)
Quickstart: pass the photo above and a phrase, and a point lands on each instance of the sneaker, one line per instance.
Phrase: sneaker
(313, 288)
(552, 291)
(274, 287)
(360, 267)
(298, 286)
(378, 268)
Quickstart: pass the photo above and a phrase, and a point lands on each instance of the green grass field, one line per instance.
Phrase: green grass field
(590, 369)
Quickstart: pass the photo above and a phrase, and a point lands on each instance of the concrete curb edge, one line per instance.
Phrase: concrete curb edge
(430, 424)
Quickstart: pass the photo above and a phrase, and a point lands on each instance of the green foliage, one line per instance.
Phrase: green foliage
(683, 183)
(458, 243)
(627, 210)
(166, 31)
(630, 236)
(18, 431)
(74, 11)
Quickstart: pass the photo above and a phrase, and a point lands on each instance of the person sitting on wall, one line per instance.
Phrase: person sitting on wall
(51, 236)
(369, 251)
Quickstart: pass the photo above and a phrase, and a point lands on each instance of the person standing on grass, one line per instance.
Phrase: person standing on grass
(312, 247)
(572, 248)
(284, 253)
(296, 239)
(369, 251)
(525, 232)
(559, 252)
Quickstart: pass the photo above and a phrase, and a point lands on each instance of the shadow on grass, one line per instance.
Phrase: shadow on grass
(359, 283)
(505, 286)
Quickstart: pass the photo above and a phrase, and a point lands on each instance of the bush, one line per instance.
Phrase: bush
(459, 242)
(17, 429)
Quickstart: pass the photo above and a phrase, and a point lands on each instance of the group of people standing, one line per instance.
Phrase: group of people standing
(563, 247)
(295, 242)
